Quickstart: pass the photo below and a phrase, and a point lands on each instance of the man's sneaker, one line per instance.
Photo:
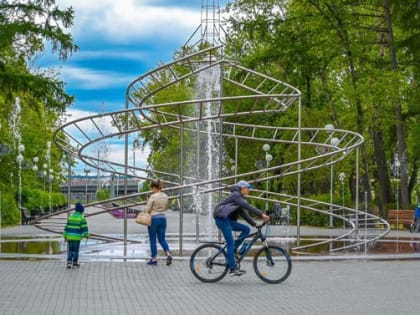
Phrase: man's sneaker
(68, 266)
(236, 272)
(152, 262)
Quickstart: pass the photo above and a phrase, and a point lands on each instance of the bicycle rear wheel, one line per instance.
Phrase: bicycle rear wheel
(272, 264)
(208, 263)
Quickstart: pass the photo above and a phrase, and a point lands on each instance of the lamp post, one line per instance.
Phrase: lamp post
(35, 165)
(268, 159)
(334, 141)
(87, 171)
(44, 173)
(50, 180)
(395, 168)
(341, 178)
(19, 159)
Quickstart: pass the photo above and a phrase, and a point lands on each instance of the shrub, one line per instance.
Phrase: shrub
(9, 211)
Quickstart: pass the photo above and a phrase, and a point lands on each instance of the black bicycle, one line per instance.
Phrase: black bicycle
(271, 263)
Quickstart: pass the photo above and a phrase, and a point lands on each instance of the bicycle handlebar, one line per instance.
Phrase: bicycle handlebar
(259, 226)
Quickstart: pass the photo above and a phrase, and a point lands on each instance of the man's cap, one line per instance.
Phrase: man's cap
(79, 207)
(244, 184)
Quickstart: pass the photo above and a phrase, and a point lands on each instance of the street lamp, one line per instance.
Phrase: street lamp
(19, 159)
(334, 142)
(35, 166)
(50, 180)
(395, 168)
(268, 159)
(341, 178)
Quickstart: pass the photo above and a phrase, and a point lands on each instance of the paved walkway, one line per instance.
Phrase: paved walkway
(353, 285)
(341, 287)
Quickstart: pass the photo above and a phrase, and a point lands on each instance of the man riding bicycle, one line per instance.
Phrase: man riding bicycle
(226, 215)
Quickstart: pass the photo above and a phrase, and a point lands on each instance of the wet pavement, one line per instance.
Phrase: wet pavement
(32, 242)
(114, 279)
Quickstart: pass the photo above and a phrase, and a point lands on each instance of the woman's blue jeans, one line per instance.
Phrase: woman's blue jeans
(157, 229)
(227, 226)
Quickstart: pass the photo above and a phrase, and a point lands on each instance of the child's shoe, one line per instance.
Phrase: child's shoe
(68, 266)
(152, 262)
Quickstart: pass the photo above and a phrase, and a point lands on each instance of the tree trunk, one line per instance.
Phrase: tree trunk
(385, 190)
(401, 145)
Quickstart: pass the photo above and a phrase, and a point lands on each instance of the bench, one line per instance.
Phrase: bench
(400, 217)
(279, 216)
(27, 216)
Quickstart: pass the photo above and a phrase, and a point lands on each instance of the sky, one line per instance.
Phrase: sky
(119, 41)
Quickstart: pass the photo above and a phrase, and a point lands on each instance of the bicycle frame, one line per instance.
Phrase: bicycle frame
(255, 236)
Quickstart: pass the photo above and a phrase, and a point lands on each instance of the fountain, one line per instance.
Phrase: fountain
(15, 122)
(216, 123)
(207, 86)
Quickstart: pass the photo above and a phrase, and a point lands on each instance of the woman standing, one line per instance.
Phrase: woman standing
(157, 205)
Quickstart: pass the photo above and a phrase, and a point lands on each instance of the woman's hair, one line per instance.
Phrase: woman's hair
(157, 184)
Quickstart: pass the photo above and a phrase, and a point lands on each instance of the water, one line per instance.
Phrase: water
(15, 122)
(101, 250)
(207, 161)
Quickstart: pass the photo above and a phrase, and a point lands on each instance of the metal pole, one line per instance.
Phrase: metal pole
(68, 181)
(357, 191)
(181, 216)
(299, 171)
(236, 157)
(331, 192)
(20, 190)
(125, 178)
(221, 143)
(197, 214)
(0, 221)
(366, 210)
(398, 206)
(266, 186)
(86, 185)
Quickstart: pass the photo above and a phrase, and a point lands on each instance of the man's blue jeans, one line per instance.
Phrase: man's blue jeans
(157, 228)
(72, 251)
(227, 226)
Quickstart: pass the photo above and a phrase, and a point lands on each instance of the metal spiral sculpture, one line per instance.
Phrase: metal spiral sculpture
(241, 93)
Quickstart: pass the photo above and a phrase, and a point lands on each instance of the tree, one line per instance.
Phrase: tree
(338, 53)
(27, 29)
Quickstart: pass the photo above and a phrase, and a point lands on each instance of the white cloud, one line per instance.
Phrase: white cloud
(84, 78)
(127, 20)
(111, 54)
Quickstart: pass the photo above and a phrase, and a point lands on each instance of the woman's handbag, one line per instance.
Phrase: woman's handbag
(144, 218)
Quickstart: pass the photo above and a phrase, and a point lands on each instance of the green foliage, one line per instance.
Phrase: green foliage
(34, 199)
(26, 29)
(9, 211)
(338, 53)
(103, 194)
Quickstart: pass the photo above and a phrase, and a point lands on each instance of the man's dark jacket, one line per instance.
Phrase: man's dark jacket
(234, 206)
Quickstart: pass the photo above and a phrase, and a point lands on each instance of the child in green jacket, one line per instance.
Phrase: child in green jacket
(76, 229)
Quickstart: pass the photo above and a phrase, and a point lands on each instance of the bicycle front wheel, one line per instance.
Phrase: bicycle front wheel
(208, 263)
(272, 264)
